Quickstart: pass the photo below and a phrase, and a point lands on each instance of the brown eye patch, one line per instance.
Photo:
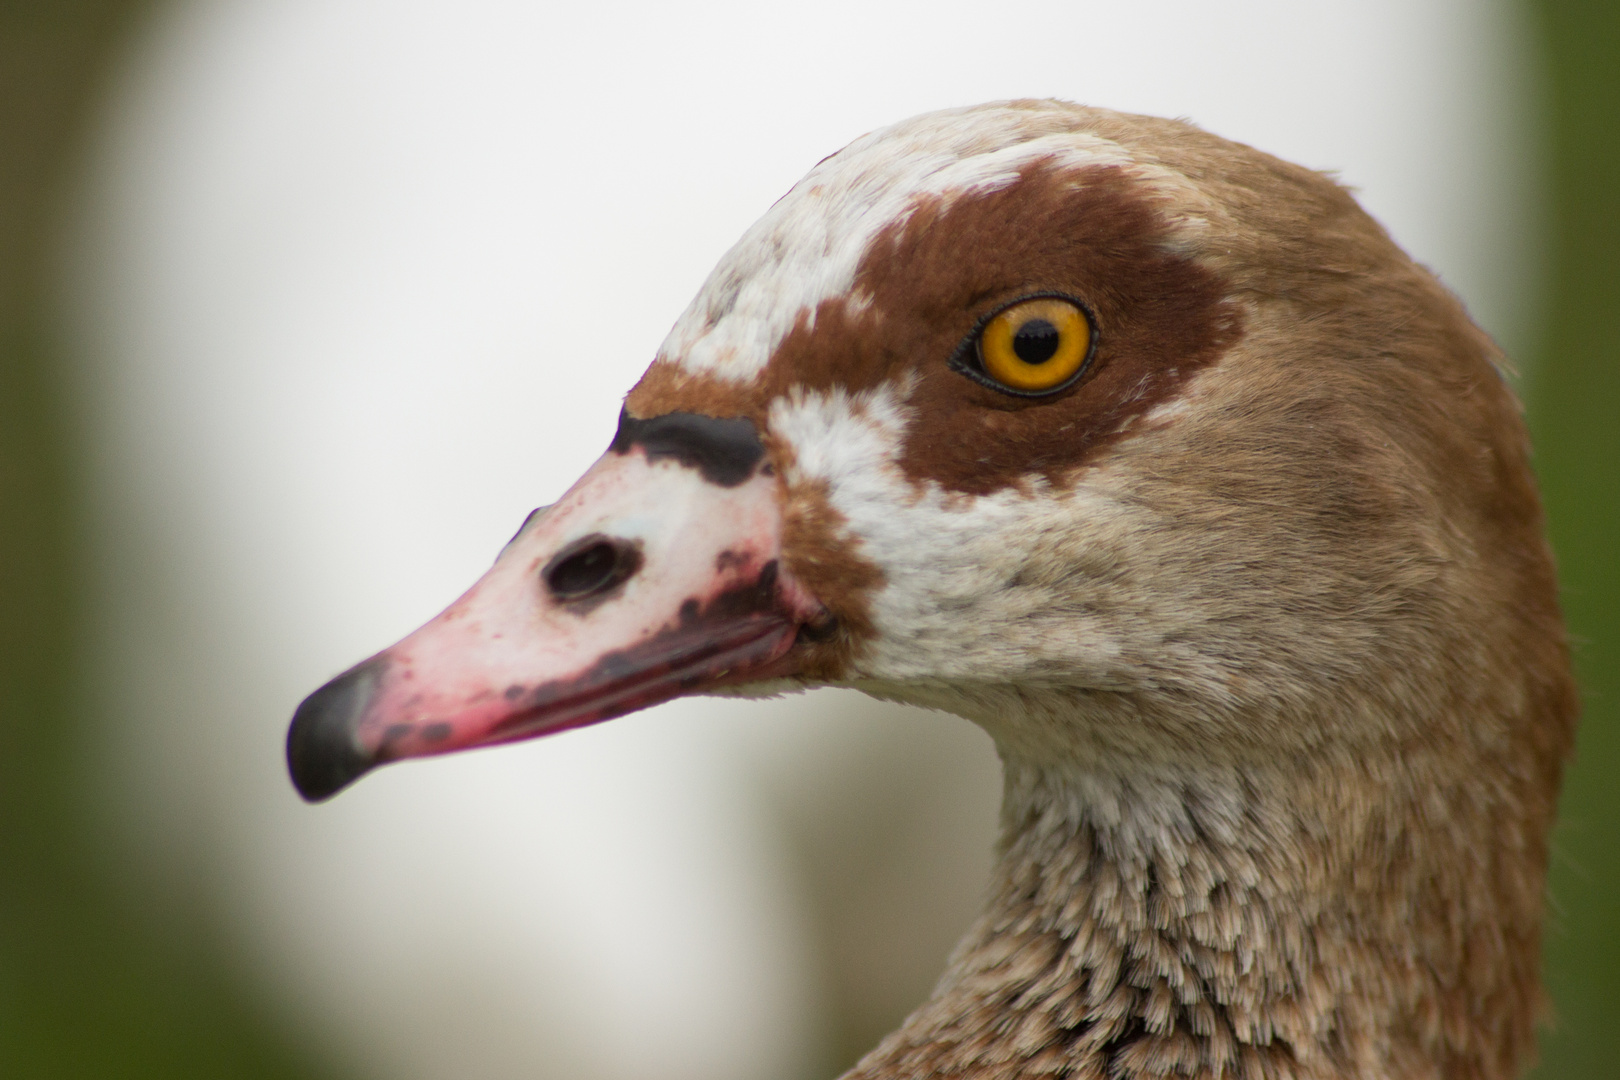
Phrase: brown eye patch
(1095, 234)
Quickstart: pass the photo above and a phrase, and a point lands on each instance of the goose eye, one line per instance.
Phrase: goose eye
(1035, 346)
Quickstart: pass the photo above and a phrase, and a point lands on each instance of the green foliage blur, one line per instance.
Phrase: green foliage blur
(89, 988)
(1574, 403)
(92, 988)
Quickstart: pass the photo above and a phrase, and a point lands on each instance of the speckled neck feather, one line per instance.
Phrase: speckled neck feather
(1252, 921)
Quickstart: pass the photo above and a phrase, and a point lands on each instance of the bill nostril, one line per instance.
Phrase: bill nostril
(583, 572)
(591, 567)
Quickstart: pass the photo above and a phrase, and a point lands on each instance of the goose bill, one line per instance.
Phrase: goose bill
(674, 587)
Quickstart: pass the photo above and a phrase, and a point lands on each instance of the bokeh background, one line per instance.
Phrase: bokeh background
(304, 304)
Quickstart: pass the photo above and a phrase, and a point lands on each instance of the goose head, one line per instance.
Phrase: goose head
(1154, 456)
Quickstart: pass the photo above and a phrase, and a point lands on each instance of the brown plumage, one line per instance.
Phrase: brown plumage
(1258, 611)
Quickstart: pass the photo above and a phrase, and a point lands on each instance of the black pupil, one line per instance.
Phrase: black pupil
(1036, 341)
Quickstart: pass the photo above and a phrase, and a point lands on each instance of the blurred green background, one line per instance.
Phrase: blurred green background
(1574, 403)
(93, 985)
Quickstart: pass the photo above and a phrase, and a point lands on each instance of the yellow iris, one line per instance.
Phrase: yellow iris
(1035, 345)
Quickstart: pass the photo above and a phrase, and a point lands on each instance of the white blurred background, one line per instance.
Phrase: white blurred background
(359, 283)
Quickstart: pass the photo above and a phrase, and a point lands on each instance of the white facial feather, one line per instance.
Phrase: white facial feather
(955, 602)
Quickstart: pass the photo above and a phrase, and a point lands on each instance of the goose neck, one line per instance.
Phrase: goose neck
(1295, 918)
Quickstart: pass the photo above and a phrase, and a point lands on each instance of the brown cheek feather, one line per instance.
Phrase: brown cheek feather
(821, 556)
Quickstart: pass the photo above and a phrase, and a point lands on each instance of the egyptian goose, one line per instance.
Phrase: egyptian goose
(1154, 456)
